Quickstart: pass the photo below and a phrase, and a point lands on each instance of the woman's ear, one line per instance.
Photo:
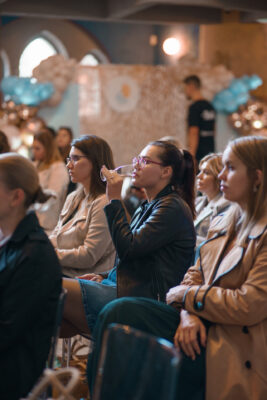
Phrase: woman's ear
(259, 177)
(167, 172)
(18, 197)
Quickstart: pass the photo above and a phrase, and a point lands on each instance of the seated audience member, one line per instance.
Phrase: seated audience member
(81, 238)
(30, 280)
(64, 138)
(212, 202)
(155, 250)
(4, 145)
(217, 316)
(53, 176)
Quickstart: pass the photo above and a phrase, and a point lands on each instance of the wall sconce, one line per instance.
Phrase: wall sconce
(153, 40)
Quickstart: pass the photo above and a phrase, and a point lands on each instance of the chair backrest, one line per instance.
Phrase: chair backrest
(64, 381)
(58, 319)
(135, 366)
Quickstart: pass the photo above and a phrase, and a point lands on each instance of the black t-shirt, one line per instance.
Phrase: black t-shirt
(202, 114)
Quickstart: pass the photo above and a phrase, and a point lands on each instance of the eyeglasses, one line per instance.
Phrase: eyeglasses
(142, 162)
(74, 158)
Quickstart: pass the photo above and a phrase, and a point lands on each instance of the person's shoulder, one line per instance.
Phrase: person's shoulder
(39, 250)
(203, 103)
(172, 201)
(75, 195)
(100, 201)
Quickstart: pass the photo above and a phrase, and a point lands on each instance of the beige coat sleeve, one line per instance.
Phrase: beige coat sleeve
(193, 276)
(245, 305)
(96, 243)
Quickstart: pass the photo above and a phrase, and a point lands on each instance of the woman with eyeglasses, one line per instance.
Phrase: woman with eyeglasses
(154, 250)
(81, 238)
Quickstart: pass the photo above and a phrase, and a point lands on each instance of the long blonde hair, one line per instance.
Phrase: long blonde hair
(252, 152)
(52, 153)
(17, 172)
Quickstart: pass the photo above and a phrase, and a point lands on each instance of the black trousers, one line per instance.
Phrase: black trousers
(159, 320)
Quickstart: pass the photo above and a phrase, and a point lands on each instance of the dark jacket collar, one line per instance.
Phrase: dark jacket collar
(164, 192)
(26, 226)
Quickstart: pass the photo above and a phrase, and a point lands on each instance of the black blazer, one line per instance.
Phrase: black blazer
(156, 249)
(30, 284)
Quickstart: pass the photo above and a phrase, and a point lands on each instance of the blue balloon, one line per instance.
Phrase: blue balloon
(242, 98)
(228, 100)
(46, 91)
(22, 85)
(246, 81)
(237, 87)
(225, 96)
(255, 82)
(218, 105)
(231, 106)
(29, 98)
(8, 85)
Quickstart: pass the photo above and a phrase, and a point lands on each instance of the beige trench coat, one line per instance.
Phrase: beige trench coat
(83, 243)
(233, 296)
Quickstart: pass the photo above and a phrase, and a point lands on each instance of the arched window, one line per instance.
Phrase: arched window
(94, 57)
(37, 50)
(89, 60)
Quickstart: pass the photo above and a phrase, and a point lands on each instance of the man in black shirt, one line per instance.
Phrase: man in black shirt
(201, 120)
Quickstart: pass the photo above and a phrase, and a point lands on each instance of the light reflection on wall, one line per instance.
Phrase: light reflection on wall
(90, 92)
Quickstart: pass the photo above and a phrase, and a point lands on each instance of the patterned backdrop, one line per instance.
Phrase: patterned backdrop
(130, 106)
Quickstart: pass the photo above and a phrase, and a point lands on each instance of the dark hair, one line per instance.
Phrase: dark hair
(4, 145)
(99, 153)
(68, 129)
(51, 130)
(194, 80)
(183, 176)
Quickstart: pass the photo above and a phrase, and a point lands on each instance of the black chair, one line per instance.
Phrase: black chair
(135, 366)
(54, 339)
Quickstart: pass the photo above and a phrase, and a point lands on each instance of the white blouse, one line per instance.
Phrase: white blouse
(55, 179)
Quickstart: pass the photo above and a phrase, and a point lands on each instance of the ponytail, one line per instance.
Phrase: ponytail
(187, 183)
(183, 166)
(39, 197)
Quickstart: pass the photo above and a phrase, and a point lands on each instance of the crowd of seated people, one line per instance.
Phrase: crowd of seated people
(213, 311)
(217, 316)
(152, 252)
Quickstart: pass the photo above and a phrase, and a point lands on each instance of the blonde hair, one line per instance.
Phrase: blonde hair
(17, 172)
(215, 165)
(52, 153)
(252, 152)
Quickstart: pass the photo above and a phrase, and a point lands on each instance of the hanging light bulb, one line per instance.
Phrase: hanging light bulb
(171, 46)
